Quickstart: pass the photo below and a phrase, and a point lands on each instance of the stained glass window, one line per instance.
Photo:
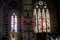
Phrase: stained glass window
(41, 18)
(14, 23)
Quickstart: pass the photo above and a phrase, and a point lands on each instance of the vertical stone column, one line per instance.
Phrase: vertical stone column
(27, 12)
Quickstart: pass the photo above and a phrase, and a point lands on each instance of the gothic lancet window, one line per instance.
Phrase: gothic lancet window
(41, 18)
(14, 23)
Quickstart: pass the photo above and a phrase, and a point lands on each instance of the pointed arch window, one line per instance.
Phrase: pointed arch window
(41, 17)
(14, 23)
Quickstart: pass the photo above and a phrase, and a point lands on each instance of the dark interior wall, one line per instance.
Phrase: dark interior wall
(59, 17)
(1, 21)
(53, 17)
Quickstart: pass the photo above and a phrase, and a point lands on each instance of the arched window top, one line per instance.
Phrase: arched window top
(14, 14)
(40, 4)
